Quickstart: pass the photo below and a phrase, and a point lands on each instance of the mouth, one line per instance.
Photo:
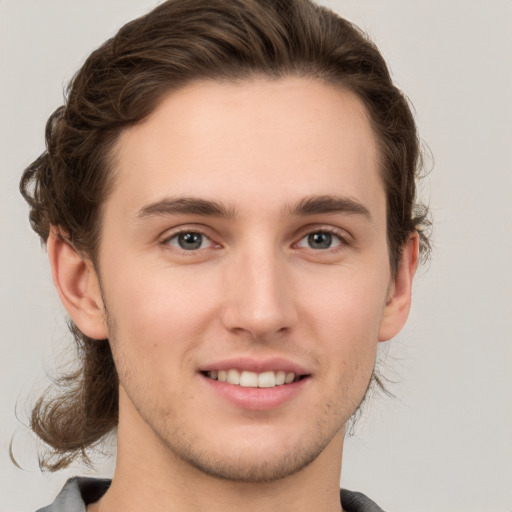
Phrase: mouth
(249, 379)
(256, 385)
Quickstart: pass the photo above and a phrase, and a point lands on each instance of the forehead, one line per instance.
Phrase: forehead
(263, 140)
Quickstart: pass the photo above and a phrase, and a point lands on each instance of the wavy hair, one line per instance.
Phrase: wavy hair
(122, 82)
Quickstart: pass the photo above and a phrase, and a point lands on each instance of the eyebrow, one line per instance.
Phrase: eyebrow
(186, 206)
(329, 204)
(311, 205)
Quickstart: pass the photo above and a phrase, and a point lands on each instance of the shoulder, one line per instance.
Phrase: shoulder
(77, 494)
(81, 491)
(357, 502)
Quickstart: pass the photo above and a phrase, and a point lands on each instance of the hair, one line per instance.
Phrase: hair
(122, 82)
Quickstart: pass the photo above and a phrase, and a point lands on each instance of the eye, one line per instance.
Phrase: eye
(320, 240)
(189, 241)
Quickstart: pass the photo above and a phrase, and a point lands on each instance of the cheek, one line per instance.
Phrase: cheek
(348, 304)
(158, 313)
(345, 315)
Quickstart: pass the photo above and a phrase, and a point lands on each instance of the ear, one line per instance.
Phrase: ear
(78, 286)
(398, 302)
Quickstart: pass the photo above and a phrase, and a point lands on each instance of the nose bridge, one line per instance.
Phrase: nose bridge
(260, 297)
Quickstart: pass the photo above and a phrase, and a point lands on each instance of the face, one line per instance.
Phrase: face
(244, 268)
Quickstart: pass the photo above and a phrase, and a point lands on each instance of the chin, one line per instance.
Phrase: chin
(263, 459)
(246, 469)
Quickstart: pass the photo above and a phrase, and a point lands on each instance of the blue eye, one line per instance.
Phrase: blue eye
(320, 240)
(189, 241)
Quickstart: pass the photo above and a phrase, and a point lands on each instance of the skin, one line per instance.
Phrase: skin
(258, 287)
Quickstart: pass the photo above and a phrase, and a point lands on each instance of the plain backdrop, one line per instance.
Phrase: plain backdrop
(445, 442)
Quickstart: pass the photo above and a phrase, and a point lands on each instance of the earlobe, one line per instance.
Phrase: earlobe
(77, 285)
(398, 303)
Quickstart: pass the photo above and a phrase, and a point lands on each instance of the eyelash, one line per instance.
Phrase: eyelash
(342, 241)
(191, 231)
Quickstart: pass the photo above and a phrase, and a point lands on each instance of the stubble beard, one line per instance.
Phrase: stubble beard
(240, 468)
(233, 463)
(236, 469)
(236, 464)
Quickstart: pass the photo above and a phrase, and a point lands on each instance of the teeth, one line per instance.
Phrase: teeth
(266, 380)
(280, 377)
(233, 377)
(248, 379)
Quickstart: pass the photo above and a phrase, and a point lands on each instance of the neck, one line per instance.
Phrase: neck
(189, 490)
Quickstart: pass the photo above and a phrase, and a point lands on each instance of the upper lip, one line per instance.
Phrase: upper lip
(256, 365)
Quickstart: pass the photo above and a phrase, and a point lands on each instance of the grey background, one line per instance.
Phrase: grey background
(445, 442)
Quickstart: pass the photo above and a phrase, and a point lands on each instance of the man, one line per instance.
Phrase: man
(228, 203)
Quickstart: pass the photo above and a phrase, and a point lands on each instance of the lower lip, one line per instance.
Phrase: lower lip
(256, 399)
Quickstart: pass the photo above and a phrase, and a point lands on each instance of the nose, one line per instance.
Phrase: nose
(260, 296)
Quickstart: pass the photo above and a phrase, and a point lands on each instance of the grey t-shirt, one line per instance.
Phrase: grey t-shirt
(81, 491)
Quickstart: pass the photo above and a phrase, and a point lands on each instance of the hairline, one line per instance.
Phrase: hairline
(112, 167)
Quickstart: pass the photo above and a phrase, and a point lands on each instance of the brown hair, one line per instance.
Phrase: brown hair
(121, 83)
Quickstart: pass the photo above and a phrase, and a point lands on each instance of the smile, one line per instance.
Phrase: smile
(248, 379)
